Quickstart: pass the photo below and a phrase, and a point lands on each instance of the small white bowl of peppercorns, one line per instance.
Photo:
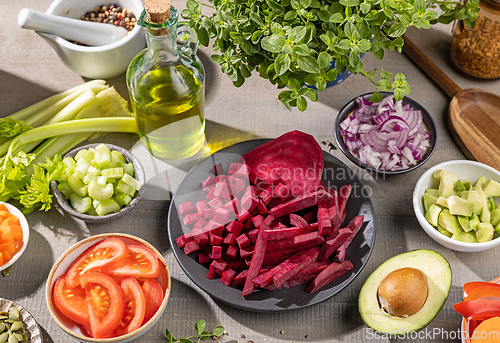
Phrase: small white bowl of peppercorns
(106, 61)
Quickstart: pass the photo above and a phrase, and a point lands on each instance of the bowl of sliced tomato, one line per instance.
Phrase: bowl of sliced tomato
(108, 288)
(14, 234)
(481, 311)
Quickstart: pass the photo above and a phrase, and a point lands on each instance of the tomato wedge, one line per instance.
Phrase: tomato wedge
(154, 297)
(478, 309)
(97, 256)
(471, 286)
(72, 302)
(106, 303)
(487, 291)
(140, 262)
(135, 307)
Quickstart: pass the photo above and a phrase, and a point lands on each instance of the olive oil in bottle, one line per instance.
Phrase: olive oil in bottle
(167, 90)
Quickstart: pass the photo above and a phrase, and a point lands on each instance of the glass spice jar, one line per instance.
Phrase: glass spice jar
(476, 51)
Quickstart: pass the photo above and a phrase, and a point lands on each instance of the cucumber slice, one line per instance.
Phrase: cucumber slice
(113, 172)
(77, 185)
(107, 206)
(99, 192)
(80, 204)
(129, 180)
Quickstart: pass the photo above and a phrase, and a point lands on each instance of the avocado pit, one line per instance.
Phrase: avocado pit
(403, 292)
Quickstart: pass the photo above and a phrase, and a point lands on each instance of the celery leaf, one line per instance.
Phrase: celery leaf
(37, 192)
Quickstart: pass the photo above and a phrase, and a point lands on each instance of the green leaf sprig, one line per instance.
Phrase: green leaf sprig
(300, 43)
(201, 334)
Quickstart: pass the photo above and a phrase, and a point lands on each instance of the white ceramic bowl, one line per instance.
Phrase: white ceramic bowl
(62, 265)
(98, 62)
(464, 169)
(26, 234)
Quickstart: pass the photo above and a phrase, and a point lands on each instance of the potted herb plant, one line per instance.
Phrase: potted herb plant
(297, 43)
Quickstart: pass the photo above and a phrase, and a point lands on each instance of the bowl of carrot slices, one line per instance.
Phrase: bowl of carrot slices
(481, 311)
(14, 235)
(108, 288)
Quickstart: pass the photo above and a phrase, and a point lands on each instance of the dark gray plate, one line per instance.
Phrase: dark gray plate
(335, 174)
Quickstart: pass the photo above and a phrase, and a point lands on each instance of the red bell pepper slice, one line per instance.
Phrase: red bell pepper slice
(490, 290)
(470, 286)
(478, 309)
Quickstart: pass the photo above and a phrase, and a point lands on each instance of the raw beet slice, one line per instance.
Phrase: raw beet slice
(329, 274)
(295, 155)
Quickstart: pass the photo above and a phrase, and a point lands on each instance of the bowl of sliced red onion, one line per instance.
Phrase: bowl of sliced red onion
(389, 137)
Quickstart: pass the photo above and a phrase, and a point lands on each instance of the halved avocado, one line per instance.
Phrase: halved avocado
(438, 275)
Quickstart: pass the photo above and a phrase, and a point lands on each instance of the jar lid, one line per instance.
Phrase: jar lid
(158, 11)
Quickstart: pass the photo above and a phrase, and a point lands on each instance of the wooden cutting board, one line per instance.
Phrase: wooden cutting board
(474, 122)
(474, 114)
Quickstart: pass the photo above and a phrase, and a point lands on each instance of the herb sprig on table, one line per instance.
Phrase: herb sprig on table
(201, 334)
(292, 42)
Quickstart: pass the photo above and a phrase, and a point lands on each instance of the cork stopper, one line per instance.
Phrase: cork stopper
(158, 11)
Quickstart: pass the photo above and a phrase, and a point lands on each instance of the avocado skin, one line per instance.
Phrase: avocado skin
(426, 319)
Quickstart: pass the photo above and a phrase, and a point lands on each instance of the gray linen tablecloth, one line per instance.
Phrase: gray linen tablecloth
(30, 71)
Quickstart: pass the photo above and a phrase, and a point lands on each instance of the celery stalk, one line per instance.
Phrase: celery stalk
(117, 124)
(69, 112)
(56, 101)
(109, 103)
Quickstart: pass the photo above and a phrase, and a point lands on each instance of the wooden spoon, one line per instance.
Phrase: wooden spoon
(474, 114)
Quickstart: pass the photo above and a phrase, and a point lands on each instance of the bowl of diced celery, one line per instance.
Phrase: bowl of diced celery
(457, 204)
(102, 182)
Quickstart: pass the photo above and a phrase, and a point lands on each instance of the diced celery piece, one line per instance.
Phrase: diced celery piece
(102, 156)
(117, 159)
(111, 180)
(77, 185)
(129, 168)
(65, 189)
(92, 211)
(69, 162)
(123, 199)
(82, 166)
(113, 172)
(89, 177)
(93, 170)
(107, 206)
(102, 180)
(129, 180)
(80, 204)
(122, 187)
(100, 192)
(85, 154)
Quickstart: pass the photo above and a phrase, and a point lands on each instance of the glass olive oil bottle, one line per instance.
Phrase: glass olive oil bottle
(166, 86)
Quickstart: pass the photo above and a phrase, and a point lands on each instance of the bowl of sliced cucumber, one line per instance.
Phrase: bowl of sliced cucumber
(457, 203)
(102, 182)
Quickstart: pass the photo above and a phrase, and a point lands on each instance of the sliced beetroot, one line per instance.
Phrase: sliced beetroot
(203, 258)
(296, 155)
(208, 213)
(231, 253)
(201, 206)
(333, 243)
(242, 241)
(215, 203)
(208, 184)
(182, 240)
(228, 276)
(190, 247)
(298, 262)
(256, 263)
(218, 266)
(234, 227)
(214, 239)
(239, 280)
(329, 274)
(286, 232)
(211, 274)
(218, 169)
(239, 170)
(216, 252)
(299, 203)
(191, 218)
(186, 207)
(261, 207)
(298, 221)
(324, 222)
